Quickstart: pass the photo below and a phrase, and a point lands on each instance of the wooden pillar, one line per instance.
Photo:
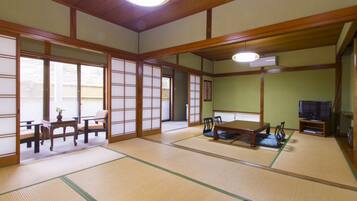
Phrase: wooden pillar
(139, 98)
(262, 95)
(338, 97)
(209, 24)
(355, 96)
(73, 23)
(46, 83)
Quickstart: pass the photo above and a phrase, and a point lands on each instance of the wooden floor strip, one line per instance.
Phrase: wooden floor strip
(79, 190)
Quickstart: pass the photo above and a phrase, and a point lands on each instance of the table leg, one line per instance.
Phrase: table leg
(215, 134)
(268, 130)
(44, 134)
(37, 138)
(253, 140)
(75, 136)
(64, 133)
(51, 137)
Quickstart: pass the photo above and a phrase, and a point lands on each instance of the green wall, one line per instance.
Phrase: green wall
(180, 95)
(237, 93)
(42, 14)
(284, 90)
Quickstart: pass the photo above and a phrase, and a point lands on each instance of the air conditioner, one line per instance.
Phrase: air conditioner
(264, 62)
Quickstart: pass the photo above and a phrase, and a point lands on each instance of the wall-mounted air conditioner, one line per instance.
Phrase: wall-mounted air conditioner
(264, 62)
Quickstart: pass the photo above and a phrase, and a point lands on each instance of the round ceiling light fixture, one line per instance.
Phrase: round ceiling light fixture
(245, 57)
(148, 3)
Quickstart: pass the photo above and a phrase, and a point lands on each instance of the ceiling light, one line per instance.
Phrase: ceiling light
(148, 3)
(245, 57)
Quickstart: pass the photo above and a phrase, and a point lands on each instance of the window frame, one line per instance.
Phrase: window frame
(47, 84)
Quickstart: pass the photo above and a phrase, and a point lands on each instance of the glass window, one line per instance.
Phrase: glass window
(63, 91)
(91, 90)
(31, 89)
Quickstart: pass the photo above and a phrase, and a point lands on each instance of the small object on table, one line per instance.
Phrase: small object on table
(52, 125)
(59, 116)
(243, 127)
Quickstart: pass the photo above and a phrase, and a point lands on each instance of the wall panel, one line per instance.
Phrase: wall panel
(243, 15)
(42, 14)
(8, 98)
(123, 97)
(237, 93)
(284, 90)
(151, 98)
(194, 100)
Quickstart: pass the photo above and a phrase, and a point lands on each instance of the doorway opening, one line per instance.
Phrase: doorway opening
(174, 100)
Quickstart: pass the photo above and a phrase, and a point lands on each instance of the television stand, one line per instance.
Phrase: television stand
(314, 127)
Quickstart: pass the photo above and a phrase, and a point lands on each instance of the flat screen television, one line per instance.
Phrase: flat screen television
(315, 110)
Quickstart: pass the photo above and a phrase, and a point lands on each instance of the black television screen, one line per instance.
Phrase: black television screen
(315, 110)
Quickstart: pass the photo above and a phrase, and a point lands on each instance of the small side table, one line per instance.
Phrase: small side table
(52, 125)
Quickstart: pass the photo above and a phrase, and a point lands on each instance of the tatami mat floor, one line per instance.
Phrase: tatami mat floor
(140, 169)
(315, 156)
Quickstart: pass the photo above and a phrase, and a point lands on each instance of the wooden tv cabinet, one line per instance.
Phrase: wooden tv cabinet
(320, 126)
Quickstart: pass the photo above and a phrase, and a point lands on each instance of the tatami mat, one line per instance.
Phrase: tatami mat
(50, 190)
(315, 156)
(258, 155)
(253, 183)
(177, 135)
(131, 180)
(14, 177)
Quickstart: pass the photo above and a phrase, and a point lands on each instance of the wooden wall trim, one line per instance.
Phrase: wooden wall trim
(209, 24)
(73, 23)
(355, 97)
(235, 111)
(37, 55)
(174, 66)
(38, 34)
(327, 18)
(279, 70)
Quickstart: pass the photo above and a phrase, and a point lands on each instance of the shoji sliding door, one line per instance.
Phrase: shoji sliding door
(123, 99)
(195, 100)
(151, 99)
(9, 93)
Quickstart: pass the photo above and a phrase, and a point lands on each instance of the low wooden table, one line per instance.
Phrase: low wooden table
(52, 125)
(243, 127)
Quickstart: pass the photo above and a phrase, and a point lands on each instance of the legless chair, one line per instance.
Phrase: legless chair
(100, 124)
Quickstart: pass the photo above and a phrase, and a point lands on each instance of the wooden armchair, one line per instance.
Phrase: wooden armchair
(98, 123)
(29, 135)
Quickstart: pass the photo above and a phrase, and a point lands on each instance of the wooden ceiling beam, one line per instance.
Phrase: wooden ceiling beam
(346, 37)
(319, 20)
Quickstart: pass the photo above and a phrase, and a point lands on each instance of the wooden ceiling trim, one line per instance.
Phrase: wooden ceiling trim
(209, 24)
(136, 18)
(319, 20)
(348, 37)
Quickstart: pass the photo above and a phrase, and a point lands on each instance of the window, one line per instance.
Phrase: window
(31, 89)
(92, 97)
(207, 90)
(63, 91)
